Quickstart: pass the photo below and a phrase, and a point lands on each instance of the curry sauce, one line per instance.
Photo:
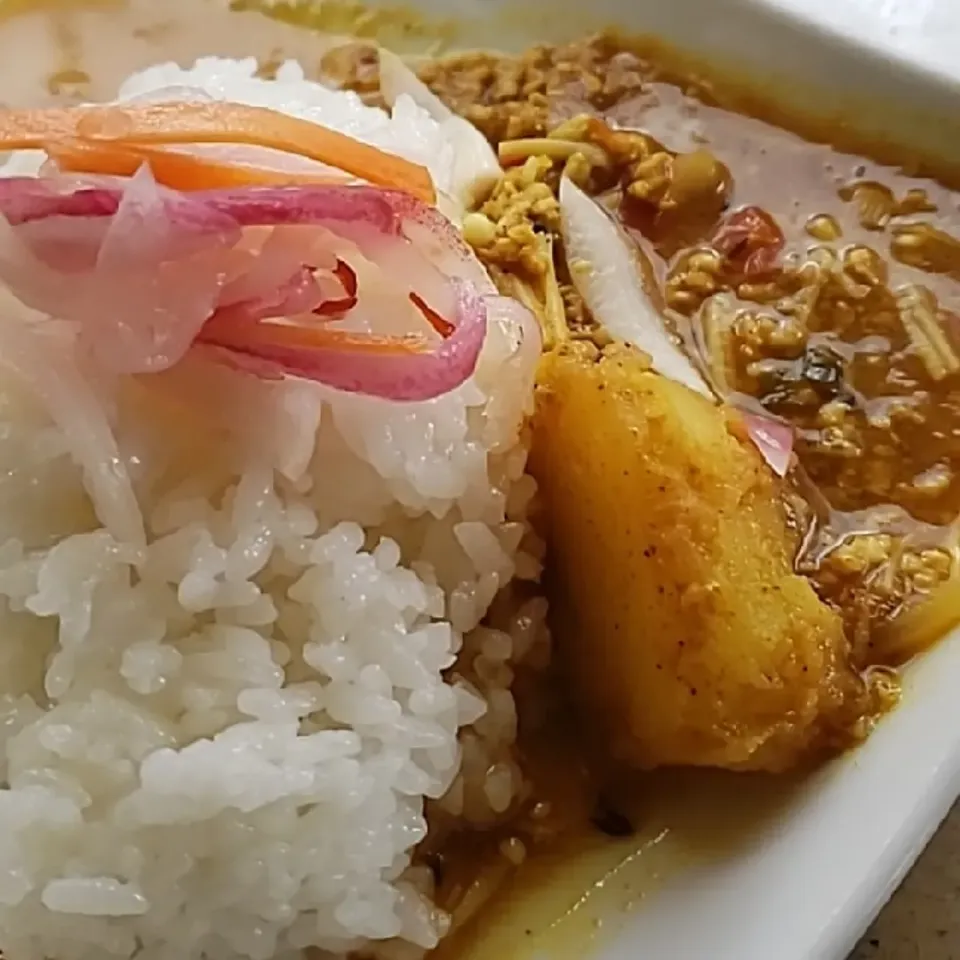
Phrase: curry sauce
(813, 282)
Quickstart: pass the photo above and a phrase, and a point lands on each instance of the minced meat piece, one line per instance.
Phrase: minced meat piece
(512, 97)
(521, 209)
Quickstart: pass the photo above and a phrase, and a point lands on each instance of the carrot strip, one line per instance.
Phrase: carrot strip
(305, 337)
(180, 171)
(183, 123)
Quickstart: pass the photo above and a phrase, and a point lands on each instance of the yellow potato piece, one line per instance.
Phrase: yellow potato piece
(688, 637)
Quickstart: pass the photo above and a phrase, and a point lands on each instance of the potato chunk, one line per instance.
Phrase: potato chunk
(688, 637)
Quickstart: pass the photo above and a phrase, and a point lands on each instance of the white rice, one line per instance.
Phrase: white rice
(223, 745)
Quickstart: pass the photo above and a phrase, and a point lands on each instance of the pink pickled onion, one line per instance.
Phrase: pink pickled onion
(23, 199)
(402, 377)
(146, 272)
(773, 439)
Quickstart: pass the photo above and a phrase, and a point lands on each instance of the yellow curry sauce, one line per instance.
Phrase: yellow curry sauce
(819, 284)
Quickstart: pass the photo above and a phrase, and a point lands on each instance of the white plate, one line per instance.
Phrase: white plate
(807, 886)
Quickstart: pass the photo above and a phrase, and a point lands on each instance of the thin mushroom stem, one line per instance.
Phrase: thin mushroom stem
(556, 329)
(514, 152)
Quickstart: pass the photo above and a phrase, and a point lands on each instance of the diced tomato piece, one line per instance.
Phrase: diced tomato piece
(750, 240)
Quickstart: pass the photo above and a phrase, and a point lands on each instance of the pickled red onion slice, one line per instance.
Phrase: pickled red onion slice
(146, 272)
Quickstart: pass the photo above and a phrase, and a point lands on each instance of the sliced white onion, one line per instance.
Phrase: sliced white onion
(475, 164)
(45, 362)
(604, 271)
(605, 274)
(396, 79)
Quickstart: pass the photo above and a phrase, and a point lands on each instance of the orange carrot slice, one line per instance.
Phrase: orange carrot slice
(301, 336)
(170, 123)
(180, 171)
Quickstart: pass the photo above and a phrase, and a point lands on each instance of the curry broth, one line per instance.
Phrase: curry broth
(576, 892)
(842, 321)
(578, 861)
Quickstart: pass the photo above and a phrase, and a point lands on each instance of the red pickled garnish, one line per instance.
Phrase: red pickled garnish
(348, 280)
(443, 326)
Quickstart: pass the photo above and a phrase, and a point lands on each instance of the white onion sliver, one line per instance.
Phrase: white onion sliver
(397, 79)
(605, 274)
(475, 164)
(773, 439)
(48, 368)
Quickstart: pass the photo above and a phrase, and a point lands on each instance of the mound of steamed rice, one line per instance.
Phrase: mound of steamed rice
(224, 744)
